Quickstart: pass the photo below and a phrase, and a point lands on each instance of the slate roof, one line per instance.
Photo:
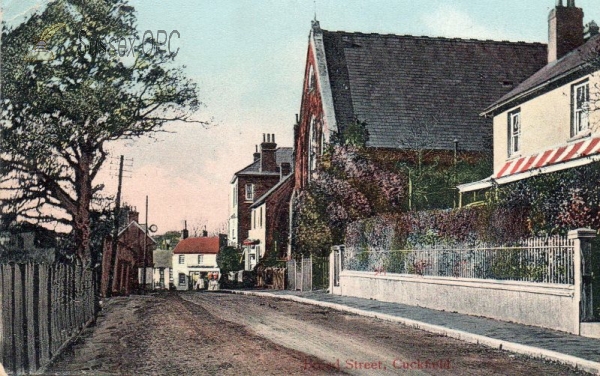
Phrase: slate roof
(264, 197)
(282, 155)
(569, 67)
(204, 245)
(409, 88)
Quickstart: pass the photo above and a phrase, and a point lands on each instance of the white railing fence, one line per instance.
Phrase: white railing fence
(543, 260)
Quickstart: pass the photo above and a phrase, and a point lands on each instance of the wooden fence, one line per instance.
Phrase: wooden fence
(43, 307)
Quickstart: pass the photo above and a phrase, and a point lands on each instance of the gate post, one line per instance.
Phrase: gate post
(582, 297)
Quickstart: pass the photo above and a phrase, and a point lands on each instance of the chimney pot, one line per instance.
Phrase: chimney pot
(264, 137)
(273, 137)
(590, 30)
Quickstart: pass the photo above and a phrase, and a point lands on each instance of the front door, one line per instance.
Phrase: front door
(193, 280)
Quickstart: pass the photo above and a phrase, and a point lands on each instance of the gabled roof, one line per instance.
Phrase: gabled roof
(264, 197)
(403, 84)
(558, 158)
(282, 155)
(141, 227)
(204, 245)
(575, 64)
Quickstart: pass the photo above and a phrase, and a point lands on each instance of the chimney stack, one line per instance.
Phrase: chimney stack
(268, 148)
(285, 170)
(590, 30)
(185, 233)
(565, 30)
(256, 154)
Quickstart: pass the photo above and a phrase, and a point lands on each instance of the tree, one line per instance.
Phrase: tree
(61, 107)
(229, 259)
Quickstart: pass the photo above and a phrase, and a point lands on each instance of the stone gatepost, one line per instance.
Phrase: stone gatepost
(582, 258)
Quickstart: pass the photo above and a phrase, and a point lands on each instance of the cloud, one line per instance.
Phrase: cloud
(451, 22)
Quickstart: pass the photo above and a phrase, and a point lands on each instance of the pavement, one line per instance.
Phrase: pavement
(579, 352)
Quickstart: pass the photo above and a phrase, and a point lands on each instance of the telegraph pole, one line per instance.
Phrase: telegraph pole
(145, 245)
(113, 251)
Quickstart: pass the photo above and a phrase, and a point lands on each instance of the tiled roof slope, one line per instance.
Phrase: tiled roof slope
(282, 155)
(400, 83)
(564, 67)
(205, 245)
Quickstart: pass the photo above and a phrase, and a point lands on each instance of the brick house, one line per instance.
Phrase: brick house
(269, 225)
(129, 256)
(270, 165)
(550, 122)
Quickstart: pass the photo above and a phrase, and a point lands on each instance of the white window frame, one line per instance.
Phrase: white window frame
(200, 259)
(249, 192)
(260, 218)
(515, 130)
(181, 281)
(181, 259)
(580, 99)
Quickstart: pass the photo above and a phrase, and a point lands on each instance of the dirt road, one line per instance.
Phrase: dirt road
(223, 334)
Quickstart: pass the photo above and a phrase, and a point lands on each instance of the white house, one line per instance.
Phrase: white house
(162, 274)
(551, 121)
(195, 258)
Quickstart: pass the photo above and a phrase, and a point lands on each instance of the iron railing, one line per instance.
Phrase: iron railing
(543, 260)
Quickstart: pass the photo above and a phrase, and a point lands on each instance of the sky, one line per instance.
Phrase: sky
(248, 59)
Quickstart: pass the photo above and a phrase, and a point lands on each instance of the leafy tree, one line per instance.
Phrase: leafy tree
(229, 259)
(60, 111)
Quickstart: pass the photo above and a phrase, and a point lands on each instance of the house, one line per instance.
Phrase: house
(269, 224)
(162, 274)
(195, 258)
(550, 122)
(133, 244)
(411, 91)
(269, 166)
(26, 242)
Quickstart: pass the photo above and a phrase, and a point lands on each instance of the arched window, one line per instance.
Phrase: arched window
(312, 149)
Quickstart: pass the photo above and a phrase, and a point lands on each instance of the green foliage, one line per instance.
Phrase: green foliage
(556, 202)
(355, 134)
(229, 260)
(59, 114)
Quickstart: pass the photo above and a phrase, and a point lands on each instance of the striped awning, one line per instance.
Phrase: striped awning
(574, 154)
(557, 155)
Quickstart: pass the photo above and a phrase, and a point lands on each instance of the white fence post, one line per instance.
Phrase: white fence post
(582, 238)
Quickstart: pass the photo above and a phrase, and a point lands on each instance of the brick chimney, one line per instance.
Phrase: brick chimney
(285, 170)
(268, 162)
(590, 30)
(133, 215)
(185, 233)
(565, 29)
(256, 154)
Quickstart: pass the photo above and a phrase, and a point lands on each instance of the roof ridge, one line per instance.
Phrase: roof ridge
(427, 37)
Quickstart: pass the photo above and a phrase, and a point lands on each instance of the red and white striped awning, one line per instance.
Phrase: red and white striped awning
(559, 158)
(557, 155)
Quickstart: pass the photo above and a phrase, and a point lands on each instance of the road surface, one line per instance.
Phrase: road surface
(201, 333)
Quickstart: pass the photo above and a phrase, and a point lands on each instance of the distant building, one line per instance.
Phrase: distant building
(271, 164)
(162, 274)
(130, 253)
(269, 224)
(195, 258)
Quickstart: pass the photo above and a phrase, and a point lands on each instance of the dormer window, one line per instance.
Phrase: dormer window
(514, 132)
(580, 99)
